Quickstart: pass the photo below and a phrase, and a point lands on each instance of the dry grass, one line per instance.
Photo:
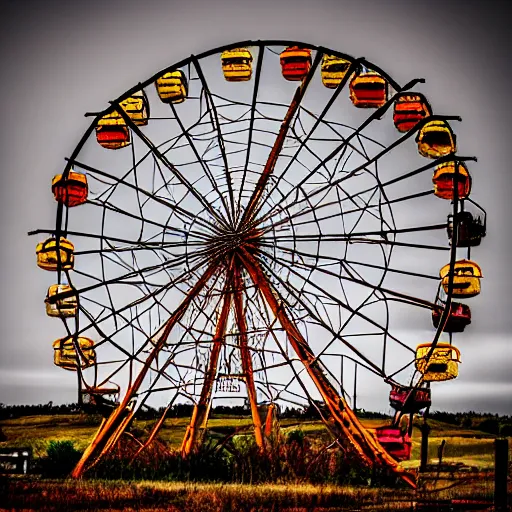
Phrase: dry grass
(174, 496)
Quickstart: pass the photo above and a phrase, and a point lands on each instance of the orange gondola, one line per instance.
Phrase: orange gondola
(444, 179)
(368, 89)
(71, 190)
(295, 62)
(409, 110)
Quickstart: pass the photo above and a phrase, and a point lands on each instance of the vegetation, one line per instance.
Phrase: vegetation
(301, 472)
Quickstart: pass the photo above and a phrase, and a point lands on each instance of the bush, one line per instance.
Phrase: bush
(506, 430)
(61, 458)
(490, 425)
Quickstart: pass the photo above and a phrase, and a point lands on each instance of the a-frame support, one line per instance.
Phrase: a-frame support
(111, 429)
(365, 444)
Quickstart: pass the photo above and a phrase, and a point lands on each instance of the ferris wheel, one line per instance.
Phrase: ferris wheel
(278, 206)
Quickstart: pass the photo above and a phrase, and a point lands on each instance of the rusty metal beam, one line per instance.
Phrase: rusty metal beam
(247, 367)
(278, 146)
(365, 444)
(201, 409)
(110, 431)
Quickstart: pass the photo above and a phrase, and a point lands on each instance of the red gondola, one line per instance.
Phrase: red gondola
(397, 444)
(407, 400)
(458, 318)
(368, 90)
(72, 190)
(470, 230)
(409, 110)
(295, 62)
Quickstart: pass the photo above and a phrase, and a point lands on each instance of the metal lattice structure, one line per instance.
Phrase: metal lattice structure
(242, 234)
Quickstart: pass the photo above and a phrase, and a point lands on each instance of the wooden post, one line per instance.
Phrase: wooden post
(500, 474)
(425, 429)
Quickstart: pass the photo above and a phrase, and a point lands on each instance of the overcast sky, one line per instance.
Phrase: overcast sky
(62, 59)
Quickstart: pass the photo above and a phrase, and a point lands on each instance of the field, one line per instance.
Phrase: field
(463, 446)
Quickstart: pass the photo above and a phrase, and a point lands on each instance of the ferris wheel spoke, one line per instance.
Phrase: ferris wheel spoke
(173, 169)
(352, 173)
(251, 128)
(278, 144)
(304, 141)
(215, 123)
(420, 302)
(202, 162)
(296, 295)
(177, 209)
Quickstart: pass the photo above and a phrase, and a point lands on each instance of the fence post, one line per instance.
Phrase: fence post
(500, 474)
(425, 429)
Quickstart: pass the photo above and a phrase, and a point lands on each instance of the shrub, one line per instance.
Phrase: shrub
(61, 458)
(490, 425)
(506, 430)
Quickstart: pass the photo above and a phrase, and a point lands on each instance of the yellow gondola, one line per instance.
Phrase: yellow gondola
(444, 178)
(236, 64)
(112, 132)
(66, 356)
(368, 90)
(442, 365)
(333, 70)
(466, 278)
(72, 190)
(436, 139)
(172, 87)
(63, 307)
(137, 108)
(49, 258)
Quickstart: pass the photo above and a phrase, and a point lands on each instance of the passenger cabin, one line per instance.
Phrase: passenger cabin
(136, 107)
(295, 63)
(112, 132)
(49, 257)
(71, 190)
(446, 175)
(67, 357)
(397, 444)
(172, 87)
(409, 400)
(458, 318)
(368, 89)
(466, 278)
(470, 230)
(442, 365)
(409, 110)
(63, 307)
(333, 70)
(436, 139)
(236, 64)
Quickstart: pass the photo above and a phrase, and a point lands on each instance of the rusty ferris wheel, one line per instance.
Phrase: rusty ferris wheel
(241, 235)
